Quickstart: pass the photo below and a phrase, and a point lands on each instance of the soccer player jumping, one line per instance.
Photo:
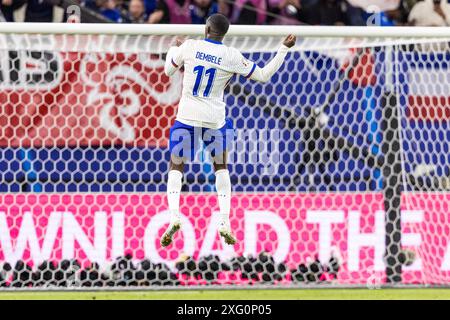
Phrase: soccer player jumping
(209, 66)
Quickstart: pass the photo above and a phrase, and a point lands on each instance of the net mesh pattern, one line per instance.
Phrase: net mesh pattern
(339, 166)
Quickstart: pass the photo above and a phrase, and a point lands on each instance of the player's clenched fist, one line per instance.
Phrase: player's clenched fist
(289, 41)
(179, 41)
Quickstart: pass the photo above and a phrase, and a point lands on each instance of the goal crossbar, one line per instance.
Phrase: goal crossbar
(235, 30)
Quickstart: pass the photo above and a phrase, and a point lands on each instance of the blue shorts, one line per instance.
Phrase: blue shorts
(185, 140)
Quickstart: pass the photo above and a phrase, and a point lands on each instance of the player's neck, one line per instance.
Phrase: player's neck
(214, 38)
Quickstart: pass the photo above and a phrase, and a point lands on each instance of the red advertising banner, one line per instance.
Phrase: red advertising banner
(294, 228)
(86, 99)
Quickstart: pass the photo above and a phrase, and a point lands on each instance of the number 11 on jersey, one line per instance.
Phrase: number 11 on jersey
(210, 73)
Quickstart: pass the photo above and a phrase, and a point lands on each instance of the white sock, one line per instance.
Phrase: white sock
(223, 187)
(173, 193)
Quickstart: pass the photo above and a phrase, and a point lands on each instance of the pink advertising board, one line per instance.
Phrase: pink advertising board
(293, 227)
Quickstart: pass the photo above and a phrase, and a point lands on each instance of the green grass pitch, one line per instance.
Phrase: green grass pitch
(286, 294)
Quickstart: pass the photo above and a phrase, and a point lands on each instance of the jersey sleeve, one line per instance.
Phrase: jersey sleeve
(241, 65)
(265, 73)
(174, 59)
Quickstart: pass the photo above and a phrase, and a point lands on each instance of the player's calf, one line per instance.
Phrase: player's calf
(174, 184)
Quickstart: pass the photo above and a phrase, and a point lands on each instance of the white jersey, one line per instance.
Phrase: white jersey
(208, 68)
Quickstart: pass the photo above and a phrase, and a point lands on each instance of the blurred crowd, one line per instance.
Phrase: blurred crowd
(208, 270)
(253, 12)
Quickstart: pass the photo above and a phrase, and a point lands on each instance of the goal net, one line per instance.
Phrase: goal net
(339, 167)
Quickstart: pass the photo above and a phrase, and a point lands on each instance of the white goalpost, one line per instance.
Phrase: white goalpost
(339, 168)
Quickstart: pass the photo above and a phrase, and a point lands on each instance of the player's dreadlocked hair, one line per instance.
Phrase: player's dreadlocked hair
(218, 24)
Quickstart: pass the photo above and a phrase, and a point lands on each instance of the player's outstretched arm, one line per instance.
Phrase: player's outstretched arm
(265, 74)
